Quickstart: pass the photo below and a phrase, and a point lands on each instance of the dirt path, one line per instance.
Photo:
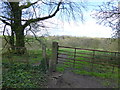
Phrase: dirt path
(72, 80)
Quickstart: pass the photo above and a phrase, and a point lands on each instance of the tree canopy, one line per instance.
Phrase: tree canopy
(20, 15)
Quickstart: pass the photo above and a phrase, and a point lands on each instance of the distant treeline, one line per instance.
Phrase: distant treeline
(109, 44)
(85, 42)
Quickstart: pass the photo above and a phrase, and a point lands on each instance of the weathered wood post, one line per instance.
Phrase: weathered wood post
(53, 60)
(44, 55)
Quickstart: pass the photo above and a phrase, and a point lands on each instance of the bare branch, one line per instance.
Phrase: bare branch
(34, 12)
(4, 21)
(108, 14)
(40, 41)
(11, 18)
(43, 18)
(4, 34)
(28, 41)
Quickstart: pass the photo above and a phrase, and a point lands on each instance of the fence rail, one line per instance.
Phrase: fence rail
(75, 56)
(100, 57)
(87, 49)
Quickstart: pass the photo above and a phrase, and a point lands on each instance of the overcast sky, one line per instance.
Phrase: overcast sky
(87, 29)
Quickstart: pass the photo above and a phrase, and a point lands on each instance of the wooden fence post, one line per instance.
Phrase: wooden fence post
(53, 61)
(44, 55)
(92, 61)
(74, 58)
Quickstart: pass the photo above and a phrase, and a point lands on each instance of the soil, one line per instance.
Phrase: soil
(71, 80)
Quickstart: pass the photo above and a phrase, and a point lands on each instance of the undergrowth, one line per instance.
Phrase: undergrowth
(17, 73)
(22, 76)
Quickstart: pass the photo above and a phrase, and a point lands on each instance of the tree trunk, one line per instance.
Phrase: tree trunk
(18, 28)
(20, 43)
(12, 42)
(12, 38)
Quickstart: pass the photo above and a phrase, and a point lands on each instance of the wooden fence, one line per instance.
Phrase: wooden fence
(74, 56)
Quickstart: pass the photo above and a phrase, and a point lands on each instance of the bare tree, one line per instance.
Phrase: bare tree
(108, 14)
(20, 15)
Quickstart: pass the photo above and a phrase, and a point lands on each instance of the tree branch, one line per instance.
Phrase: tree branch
(28, 5)
(5, 22)
(43, 18)
(40, 41)
(11, 18)
(4, 34)
(5, 38)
